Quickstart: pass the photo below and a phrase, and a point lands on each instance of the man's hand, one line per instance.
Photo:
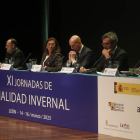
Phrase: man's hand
(0, 65)
(72, 56)
(105, 52)
(82, 70)
(45, 68)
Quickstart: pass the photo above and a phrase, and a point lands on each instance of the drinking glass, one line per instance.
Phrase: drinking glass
(12, 61)
(116, 64)
(76, 65)
(34, 61)
(6, 61)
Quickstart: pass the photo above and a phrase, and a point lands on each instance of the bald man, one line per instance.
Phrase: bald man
(79, 55)
(14, 52)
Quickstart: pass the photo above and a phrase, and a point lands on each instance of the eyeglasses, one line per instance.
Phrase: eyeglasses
(106, 44)
(51, 44)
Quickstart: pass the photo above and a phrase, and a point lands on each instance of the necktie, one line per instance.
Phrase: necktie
(111, 56)
(77, 56)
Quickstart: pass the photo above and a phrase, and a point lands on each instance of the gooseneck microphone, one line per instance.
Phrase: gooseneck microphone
(22, 68)
(97, 61)
(135, 66)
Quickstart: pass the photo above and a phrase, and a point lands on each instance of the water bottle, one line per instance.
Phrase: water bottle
(6, 61)
(30, 64)
(67, 64)
(110, 64)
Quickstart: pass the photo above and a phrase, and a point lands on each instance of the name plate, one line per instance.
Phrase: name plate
(6, 67)
(110, 71)
(67, 70)
(36, 68)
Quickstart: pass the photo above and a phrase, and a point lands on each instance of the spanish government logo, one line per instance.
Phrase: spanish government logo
(126, 88)
(120, 88)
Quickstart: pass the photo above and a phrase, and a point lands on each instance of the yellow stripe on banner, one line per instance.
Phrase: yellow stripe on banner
(126, 88)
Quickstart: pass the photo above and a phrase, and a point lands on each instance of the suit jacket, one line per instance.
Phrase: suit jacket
(86, 58)
(54, 61)
(120, 55)
(18, 56)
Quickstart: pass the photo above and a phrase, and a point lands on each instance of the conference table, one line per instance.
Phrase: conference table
(95, 103)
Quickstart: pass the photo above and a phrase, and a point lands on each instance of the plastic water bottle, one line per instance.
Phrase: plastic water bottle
(6, 61)
(30, 64)
(110, 64)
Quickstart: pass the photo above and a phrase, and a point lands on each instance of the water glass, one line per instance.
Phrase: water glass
(12, 61)
(34, 61)
(76, 65)
(6, 61)
(30, 64)
(116, 64)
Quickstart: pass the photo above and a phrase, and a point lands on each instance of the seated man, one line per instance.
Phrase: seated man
(80, 55)
(14, 52)
(111, 53)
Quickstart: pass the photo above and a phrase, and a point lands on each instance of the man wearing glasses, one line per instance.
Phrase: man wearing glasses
(111, 53)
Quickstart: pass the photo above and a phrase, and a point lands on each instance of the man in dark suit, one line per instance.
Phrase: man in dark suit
(80, 55)
(13, 52)
(112, 54)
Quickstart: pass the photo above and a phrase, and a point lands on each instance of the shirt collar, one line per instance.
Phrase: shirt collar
(81, 49)
(114, 50)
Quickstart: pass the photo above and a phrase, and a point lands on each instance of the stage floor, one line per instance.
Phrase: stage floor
(16, 129)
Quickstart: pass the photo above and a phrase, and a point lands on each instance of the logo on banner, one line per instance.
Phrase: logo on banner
(107, 124)
(125, 126)
(120, 88)
(116, 106)
(126, 88)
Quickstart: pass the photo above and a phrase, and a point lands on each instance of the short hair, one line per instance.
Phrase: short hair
(58, 49)
(13, 41)
(113, 37)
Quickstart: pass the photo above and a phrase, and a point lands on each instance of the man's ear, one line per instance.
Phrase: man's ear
(79, 42)
(13, 46)
(114, 43)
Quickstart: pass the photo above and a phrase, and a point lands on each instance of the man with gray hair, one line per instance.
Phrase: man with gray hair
(111, 53)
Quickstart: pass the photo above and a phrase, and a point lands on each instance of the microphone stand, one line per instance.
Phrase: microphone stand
(97, 61)
(135, 74)
(22, 68)
(135, 66)
(91, 70)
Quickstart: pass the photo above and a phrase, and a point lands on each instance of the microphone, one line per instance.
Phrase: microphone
(97, 61)
(23, 68)
(135, 66)
(94, 70)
